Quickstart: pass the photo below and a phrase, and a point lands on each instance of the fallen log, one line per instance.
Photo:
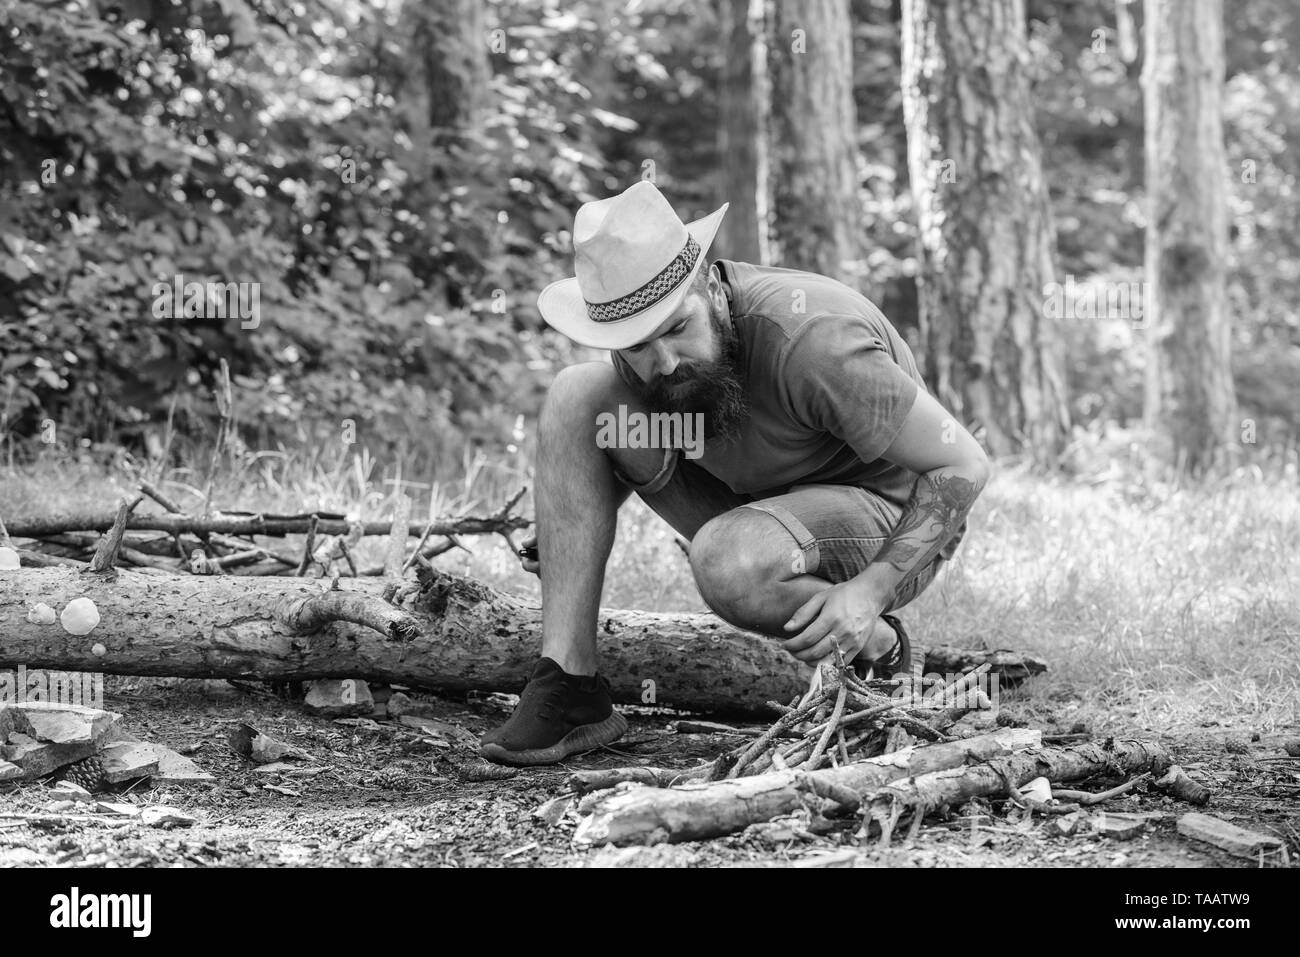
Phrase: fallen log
(467, 637)
(1010, 666)
(697, 811)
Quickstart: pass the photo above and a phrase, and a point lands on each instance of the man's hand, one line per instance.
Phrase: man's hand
(842, 615)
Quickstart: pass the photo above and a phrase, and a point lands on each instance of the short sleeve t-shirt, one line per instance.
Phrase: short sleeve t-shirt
(829, 381)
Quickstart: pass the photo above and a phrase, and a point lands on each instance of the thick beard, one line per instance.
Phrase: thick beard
(715, 388)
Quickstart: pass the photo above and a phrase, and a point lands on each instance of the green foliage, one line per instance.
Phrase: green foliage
(316, 147)
(288, 145)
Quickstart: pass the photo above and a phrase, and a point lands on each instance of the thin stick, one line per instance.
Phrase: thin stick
(760, 744)
(311, 543)
(394, 562)
(4, 534)
(1087, 797)
(106, 553)
(347, 553)
(428, 530)
(150, 490)
(224, 403)
(949, 694)
(838, 712)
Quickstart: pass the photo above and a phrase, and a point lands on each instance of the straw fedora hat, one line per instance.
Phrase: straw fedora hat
(634, 260)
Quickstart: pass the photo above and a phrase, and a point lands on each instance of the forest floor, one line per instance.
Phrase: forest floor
(379, 793)
(1165, 612)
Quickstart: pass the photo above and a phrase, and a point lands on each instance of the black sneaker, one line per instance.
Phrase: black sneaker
(558, 714)
(897, 660)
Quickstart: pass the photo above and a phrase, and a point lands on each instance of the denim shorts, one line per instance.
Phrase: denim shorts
(838, 528)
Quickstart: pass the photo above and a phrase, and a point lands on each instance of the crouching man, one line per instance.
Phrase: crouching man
(830, 488)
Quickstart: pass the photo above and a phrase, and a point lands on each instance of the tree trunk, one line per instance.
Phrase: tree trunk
(652, 815)
(991, 353)
(449, 634)
(1189, 389)
(742, 134)
(450, 39)
(818, 219)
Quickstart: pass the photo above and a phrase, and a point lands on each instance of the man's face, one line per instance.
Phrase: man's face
(694, 365)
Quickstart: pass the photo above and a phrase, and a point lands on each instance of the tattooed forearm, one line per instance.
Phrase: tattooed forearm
(933, 514)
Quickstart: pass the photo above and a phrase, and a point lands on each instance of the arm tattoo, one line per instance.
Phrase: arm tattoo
(933, 514)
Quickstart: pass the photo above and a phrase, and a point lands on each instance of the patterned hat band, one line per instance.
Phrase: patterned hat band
(653, 291)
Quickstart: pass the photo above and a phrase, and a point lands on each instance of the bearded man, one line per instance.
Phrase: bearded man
(831, 489)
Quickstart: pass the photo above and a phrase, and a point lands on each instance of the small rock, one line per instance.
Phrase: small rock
(1066, 825)
(1117, 826)
(8, 559)
(1233, 839)
(40, 737)
(160, 815)
(552, 812)
(1039, 789)
(126, 762)
(1236, 746)
(68, 791)
(113, 807)
(339, 698)
(261, 748)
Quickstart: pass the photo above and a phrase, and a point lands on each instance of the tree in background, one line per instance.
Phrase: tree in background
(1189, 393)
(743, 160)
(817, 218)
(986, 235)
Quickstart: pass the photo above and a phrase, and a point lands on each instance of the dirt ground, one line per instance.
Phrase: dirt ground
(379, 793)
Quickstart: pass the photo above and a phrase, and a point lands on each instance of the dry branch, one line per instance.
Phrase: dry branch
(235, 523)
(1002, 776)
(691, 812)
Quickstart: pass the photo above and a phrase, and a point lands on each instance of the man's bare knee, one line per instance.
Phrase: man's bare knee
(736, 558)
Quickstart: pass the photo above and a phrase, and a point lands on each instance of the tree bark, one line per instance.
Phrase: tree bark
(817, 221)
(449, 635)
(693, 812)
(1189, 388)
(742, 134)
(987, 242)
(449, 38)
(997, 777)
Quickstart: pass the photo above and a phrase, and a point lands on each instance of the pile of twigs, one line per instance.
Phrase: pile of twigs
(843, 719)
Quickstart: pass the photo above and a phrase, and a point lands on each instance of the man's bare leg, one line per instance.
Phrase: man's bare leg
(578, 499)
(742, 562)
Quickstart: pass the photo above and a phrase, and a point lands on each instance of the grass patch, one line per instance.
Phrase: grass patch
(1157, 606)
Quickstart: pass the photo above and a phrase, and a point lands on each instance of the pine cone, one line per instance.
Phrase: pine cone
(88, 773)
